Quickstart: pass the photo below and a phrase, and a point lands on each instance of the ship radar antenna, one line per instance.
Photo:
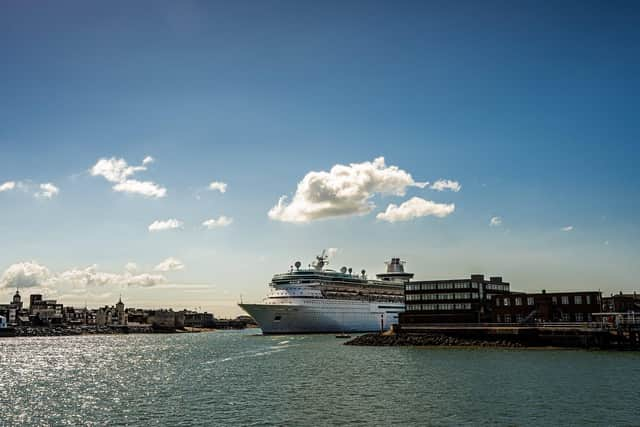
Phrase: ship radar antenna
(321, 260)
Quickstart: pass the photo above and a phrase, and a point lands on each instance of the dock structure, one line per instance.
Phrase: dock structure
(623, 334)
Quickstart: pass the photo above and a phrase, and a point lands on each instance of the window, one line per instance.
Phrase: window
(498, 302)
(507, 318)
(530, 301)
(518, 318)
(577, 299)
(506, 302)
(565, 300)
(554, 300)
(579, 317)
(565, 317)
(588, 298)
(518, 301)
(499, 318)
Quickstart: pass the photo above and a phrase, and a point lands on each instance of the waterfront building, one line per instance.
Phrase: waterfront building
(451, 301)
(546, 307)
(45, 311)
(198, 320)
(166, 319)
(10, 311)
(34, 299)
(621, 303)
(112, 316)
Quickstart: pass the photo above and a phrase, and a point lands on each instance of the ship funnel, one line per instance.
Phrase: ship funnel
(395, 266)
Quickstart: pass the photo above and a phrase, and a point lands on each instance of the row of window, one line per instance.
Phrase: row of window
(440, 285)
(566, 317)
(448, 296)
(434, 307)
(565, 299)
(494, 287)
(454, 285)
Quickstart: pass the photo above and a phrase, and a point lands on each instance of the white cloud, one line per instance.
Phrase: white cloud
(27, 274)
(47, 191)
(118, 172)
(344, 190)
(568, 228)
(170, 264)
(9, 185)
(114, 170)
(90, 277)
(415, 208)
(33, 275)
(169, 224)
(446, 184)
(222, 221)
(495, 221)
(131, 267)
(218, 186)
(145, 188)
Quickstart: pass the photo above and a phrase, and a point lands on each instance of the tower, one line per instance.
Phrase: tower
(17, 300)
(122, 316)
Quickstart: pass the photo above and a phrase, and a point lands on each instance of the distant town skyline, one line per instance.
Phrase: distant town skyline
(180, 154)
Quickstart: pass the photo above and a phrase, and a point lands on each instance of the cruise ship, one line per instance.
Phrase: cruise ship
(317, 299)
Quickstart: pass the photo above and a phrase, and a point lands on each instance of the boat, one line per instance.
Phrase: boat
(320, 300)
(343, 336)
(6, 331)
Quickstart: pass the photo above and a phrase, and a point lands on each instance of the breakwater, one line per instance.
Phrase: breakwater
(427, 340)
(570, 336)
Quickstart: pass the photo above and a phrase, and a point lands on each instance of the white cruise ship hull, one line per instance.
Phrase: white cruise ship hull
(324, 316)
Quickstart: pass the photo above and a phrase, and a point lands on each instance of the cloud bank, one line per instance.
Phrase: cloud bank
(345, 190)
(30, 274)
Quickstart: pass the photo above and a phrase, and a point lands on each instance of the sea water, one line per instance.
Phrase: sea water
(242, 378)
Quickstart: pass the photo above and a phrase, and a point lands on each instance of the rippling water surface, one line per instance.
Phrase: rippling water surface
(238, 378)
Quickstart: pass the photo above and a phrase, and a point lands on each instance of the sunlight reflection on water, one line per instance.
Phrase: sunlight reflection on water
(238, 378)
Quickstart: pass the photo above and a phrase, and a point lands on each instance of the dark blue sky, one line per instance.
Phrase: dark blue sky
(531, 106)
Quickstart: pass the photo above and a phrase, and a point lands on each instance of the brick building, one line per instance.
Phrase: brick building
(546, 307)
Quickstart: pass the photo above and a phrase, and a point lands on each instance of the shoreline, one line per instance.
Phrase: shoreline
(428, 340)
(434, 340)
(64, 331)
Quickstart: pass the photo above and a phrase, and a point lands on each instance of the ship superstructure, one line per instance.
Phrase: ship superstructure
(317, 299)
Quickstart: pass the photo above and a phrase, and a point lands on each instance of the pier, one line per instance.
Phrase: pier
(614, 331)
